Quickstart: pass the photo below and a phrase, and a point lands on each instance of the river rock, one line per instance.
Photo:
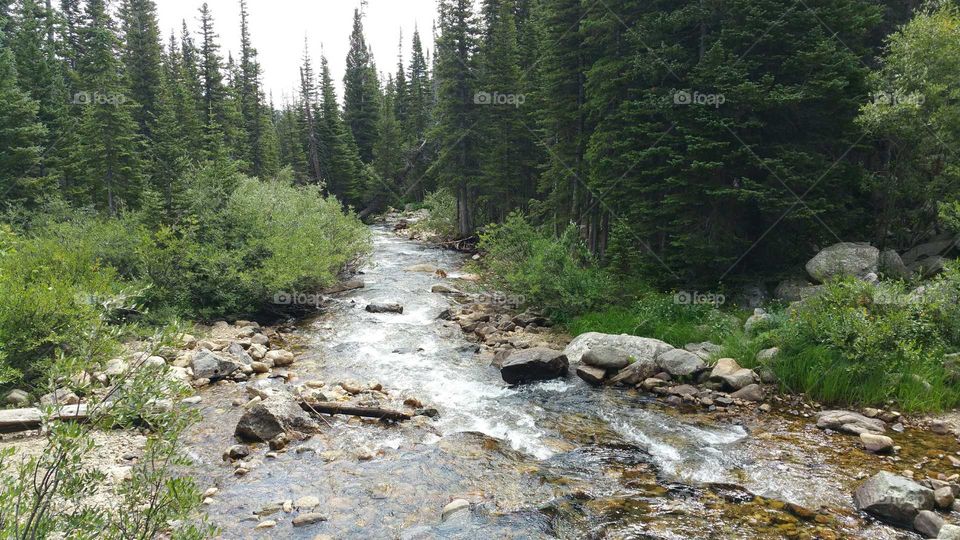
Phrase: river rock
(212, 366)
(428, 268)
(308, 519)
(893, 498)
(733, 377)
(680, 363)
(844, 259)
(704, 349)
(536, 364)
(528, 318)
(115, 368)
(638, 348)
(591, 374)
(949, 532)
(453, 507)
(440, 288)
(876, 443)
(279, 358)
(928, 523)
(237, 451)
(849, 422)
(60, 396)
(943, 497)
(750, 392)
(637, 372)
(17, 398)
(936, 246)
(280, 413)
(606, 358)
(384, 308)
(240, 353)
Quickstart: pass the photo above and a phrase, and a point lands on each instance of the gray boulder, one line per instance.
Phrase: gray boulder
(637, 372)
(767, 355)
(849, 422)
(949, 532)
(279, 413)
(591, 374)
(384, 308)
(728, 373)
(844, 259)
(790, 290)
(891, 265)
(238, 352)
(704, 349)
(893, 498)
(209, 365)
(680, 363)
(608, 358)
(536, 364)
(937, 246)
(750, 392)
(928, 523)
(638, 348)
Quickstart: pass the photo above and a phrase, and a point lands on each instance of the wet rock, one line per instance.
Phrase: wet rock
(928, 523)
(636, 372)
(844, 259)
(212, 366)
(278, 414)
(876, 443)
(237, 451)
(455, 506)
(384, 308)
(683, 390)
(750, 392)
(440, 288)
(308, 519)
(652, 383)
(849, 422)
(591, 374)
(893, 498)
(534, 364)
(279, 358)
(639, 348)
(606, 358)
(680, 363)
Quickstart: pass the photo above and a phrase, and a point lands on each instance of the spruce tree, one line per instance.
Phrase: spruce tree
(361, 91)
(21, 133)
(142, 53)
(340, 162)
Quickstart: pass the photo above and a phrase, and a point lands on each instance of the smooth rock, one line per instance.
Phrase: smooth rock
(844, 259)
(384, 308)
(212, 366)
(943, 497)
(638, 348)
(876, 443)
(453, 507)
(928, 523)
(680, 363)
(636, 372)
(849, 422)
(271, 417)
(308, 519)
(279, 358)
(608, 358)
(17, 397)
(591, 374)
(751, 392)
(893, 498)
(536, 364)
(949, 532)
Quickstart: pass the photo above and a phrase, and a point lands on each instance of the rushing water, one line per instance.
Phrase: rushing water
(554, 459)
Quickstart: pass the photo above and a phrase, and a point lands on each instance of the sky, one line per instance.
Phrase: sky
(278, 28)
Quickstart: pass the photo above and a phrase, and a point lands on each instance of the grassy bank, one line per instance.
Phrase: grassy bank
(855, 343)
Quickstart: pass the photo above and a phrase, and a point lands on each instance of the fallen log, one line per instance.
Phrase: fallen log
(327, 407)
(15, 420)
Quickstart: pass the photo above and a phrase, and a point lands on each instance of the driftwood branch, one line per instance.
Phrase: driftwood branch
(326, 407)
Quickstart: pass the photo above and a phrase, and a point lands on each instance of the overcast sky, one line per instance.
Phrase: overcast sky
(278, 28)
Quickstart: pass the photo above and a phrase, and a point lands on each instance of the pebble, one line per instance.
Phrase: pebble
(192, 400)
(308, 519)
(454, 506)
(210, 492)
(307, 503)
(266, 524)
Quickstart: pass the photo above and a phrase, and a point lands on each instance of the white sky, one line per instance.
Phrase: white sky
(278, 28)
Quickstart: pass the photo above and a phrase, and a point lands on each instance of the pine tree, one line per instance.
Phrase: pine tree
(340, 160)
(388, 151)
(109, 146)
(361, 91)
(21, 133)
(419, 93)
(309, 117)
(257, 120)
(290, 142)
(213, 90)
(142, 52)
(456, 165)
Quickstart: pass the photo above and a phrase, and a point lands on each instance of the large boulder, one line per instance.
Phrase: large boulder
(891, 265)
(607, 358)
(939, 245)
(536, 364)
(728, 373)
(680, 363)
(844, 259)
(209, 365)
(893, 498)
(849, 422)
(637, 347)
(279, 413)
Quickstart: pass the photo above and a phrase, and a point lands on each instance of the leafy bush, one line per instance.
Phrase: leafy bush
(556, 274)
(443, 214)
(858, 342)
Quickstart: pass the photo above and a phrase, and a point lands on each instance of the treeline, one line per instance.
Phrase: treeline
(689, 141)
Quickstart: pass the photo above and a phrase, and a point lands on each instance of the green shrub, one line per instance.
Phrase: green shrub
(862, 343)
(557, 275)
(443, 214)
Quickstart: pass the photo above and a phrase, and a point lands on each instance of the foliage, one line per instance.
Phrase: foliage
(555, 274)
(442, 219)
